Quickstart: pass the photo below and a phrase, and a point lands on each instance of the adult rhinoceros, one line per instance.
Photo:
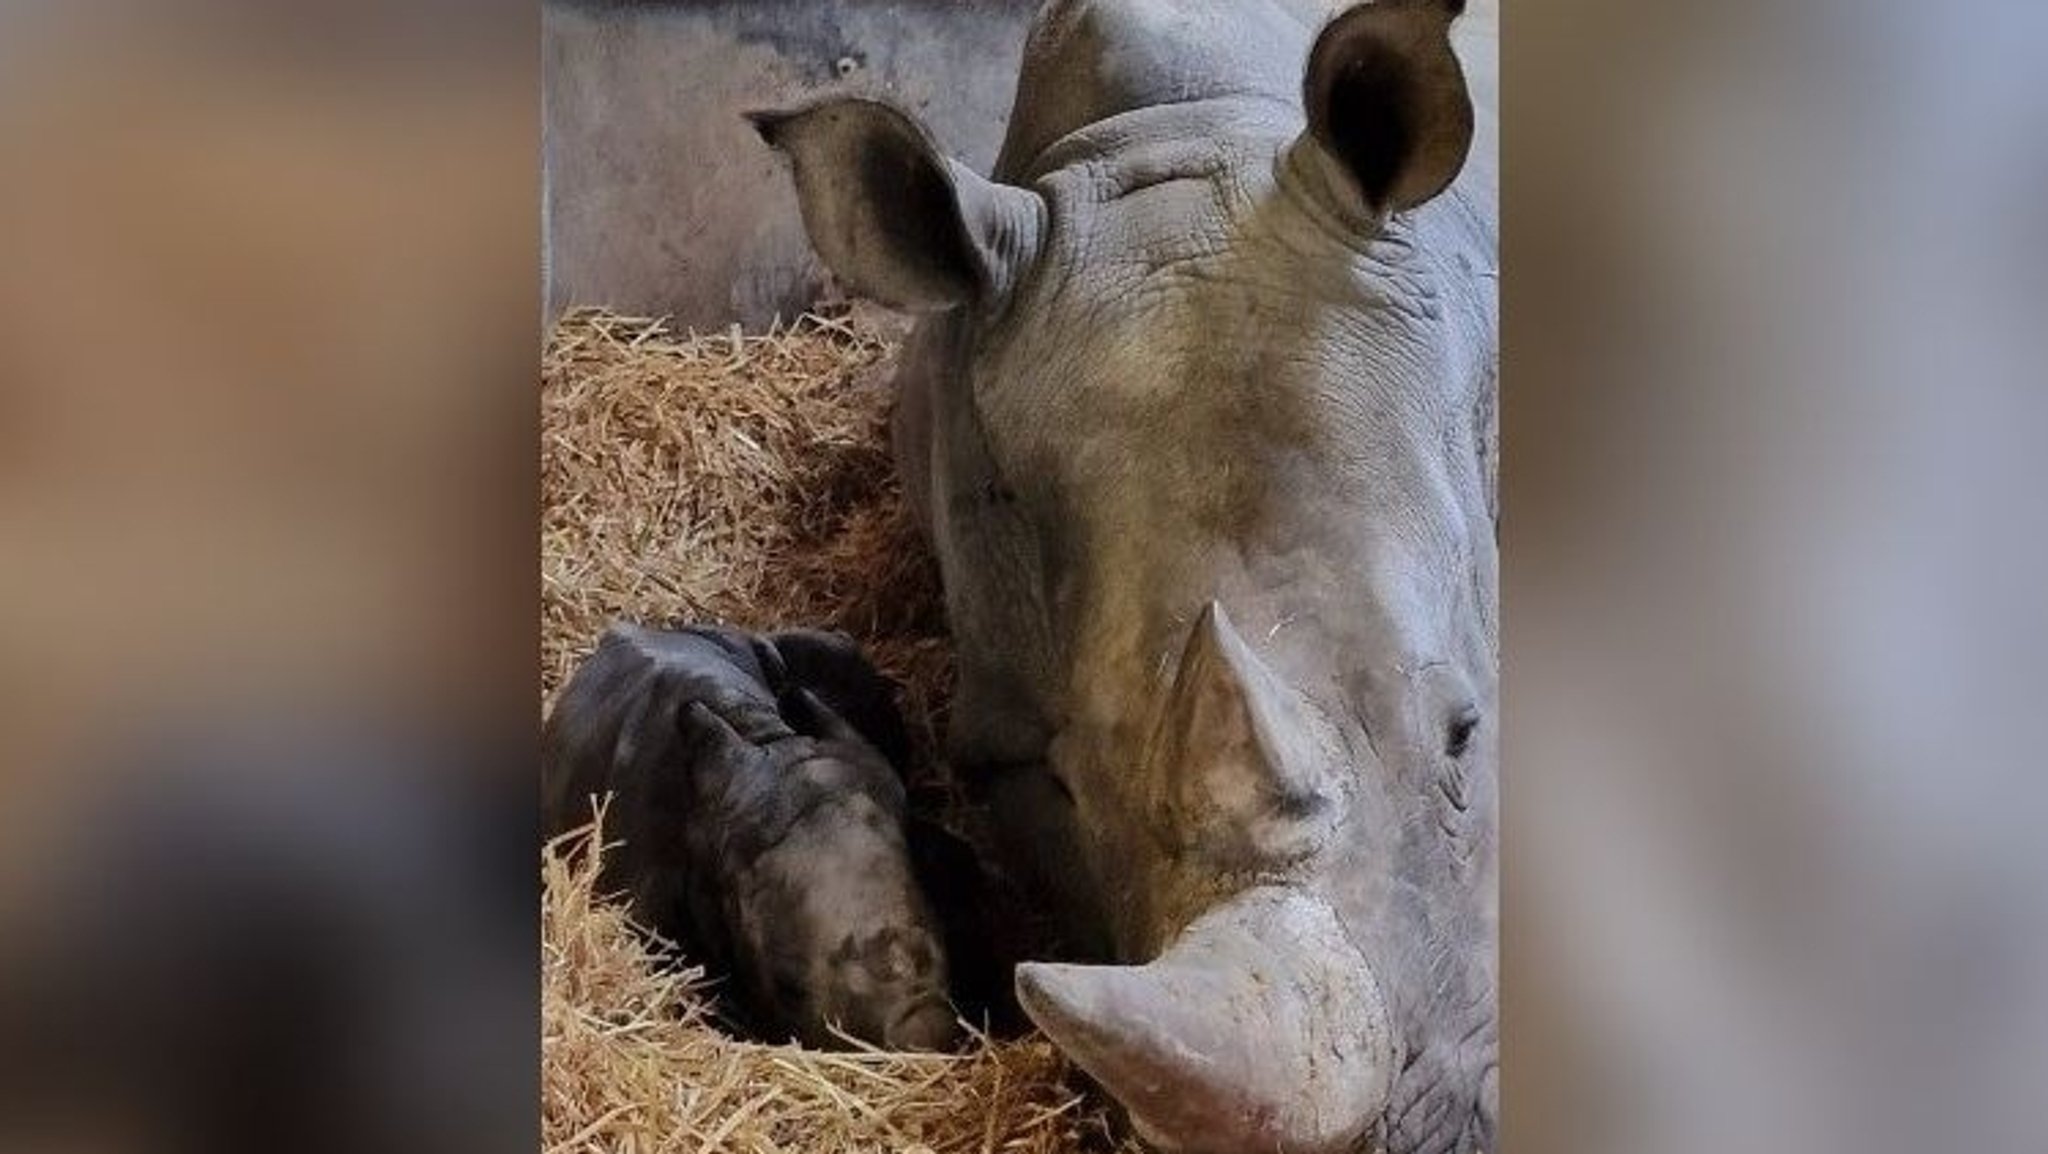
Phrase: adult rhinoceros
(1200, 429)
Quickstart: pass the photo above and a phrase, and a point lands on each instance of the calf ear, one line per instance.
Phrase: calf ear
(1387, 103)
(895, 219)
(712, 751)
(817, 719)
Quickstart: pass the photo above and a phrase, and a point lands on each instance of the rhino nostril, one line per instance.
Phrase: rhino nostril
(926, 1024)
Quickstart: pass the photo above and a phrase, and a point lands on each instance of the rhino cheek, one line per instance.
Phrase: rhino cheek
(771, 970)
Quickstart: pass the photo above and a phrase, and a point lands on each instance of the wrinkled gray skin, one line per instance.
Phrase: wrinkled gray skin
(755, 827)
(1201, 428)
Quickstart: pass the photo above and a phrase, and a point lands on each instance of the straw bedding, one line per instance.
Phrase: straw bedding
(736, 478)
(745, 479)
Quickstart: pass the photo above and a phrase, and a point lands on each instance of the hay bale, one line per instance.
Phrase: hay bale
(735, 478)
(743, 479)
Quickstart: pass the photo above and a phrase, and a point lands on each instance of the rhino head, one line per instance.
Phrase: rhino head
(1204, 460)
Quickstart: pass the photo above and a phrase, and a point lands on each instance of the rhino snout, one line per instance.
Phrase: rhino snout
(889, 987)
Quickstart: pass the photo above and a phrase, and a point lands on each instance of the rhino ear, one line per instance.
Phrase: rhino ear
(895, 219)
(1387, 103)
(817, 718)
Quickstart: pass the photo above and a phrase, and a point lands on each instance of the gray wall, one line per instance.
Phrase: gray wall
(659, 197)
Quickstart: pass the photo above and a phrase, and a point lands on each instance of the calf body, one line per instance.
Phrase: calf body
(755, 827)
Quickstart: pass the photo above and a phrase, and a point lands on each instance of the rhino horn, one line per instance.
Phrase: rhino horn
(1239, 756)
(1260, 1028)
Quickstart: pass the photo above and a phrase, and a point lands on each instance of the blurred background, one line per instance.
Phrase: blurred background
(1772, 541)
(269, 319)
(1774, 564)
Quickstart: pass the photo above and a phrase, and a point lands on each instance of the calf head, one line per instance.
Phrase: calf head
(831, 934)
(764, 836)
(1231, 388)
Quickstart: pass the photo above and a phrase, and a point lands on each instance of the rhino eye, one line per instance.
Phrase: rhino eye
(1458, 734)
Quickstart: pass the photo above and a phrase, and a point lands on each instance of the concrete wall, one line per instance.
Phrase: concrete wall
(659, 197)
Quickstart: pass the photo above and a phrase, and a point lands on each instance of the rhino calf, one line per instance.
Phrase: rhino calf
(756, 827)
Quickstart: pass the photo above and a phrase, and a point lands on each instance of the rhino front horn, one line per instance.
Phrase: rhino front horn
(1260, 1028)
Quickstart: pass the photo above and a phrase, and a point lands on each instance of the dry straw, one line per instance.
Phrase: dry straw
(736, 478)
(745, 479)
(629, 1062)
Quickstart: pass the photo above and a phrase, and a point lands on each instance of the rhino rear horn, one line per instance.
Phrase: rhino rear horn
(1260, 1028)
